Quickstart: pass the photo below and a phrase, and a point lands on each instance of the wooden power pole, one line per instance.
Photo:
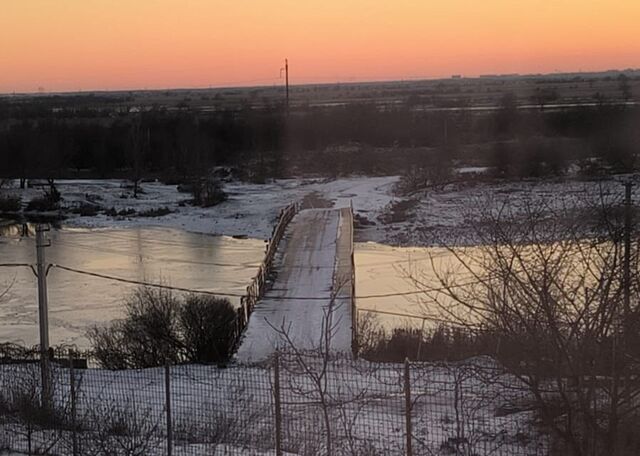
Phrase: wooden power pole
(286, 76)
(43, 313)
(286, 82)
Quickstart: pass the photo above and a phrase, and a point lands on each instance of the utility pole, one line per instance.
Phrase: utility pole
(286, 77)
(43, 312)
(286, 83)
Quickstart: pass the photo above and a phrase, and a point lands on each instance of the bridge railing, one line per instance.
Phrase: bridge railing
(256, 290)
(354, 310)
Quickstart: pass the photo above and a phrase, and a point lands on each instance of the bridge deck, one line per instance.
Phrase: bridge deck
(313, 263)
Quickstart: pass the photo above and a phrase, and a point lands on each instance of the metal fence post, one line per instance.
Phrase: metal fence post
(167, 387)
(407, 407)
(72, 389)
(277, 404)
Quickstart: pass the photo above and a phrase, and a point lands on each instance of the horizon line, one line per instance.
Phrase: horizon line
(240, 85)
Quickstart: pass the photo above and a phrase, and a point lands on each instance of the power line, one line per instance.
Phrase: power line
(396, 314)
(189, 290)
(420, 317)
(174, 288)
(146, 284)
(237, 295)
(415, 292)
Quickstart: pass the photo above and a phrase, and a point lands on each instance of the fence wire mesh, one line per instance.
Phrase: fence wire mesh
(299, 405)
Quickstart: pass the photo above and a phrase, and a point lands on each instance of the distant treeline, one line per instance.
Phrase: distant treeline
(78, 136)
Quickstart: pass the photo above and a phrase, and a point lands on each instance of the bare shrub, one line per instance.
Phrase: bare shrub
(10, 203)
(208, 192)
(399, 211)
(49, 201)
(117, 429)
(432, 170)
(369, 332)
(434, 176)
(208, 327)
(441, 342)
(86, 209)
(159, 327)
(216, 428)
(155, 212)
(147, 336)
(42, 204)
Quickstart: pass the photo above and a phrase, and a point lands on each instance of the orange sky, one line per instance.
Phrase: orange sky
(65, 45)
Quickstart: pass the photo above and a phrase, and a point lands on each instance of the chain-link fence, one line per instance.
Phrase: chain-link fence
(295, 404)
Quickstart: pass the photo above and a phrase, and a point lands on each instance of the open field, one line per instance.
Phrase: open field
(481, 92)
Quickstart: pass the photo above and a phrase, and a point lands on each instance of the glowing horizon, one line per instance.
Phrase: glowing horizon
(72, 45)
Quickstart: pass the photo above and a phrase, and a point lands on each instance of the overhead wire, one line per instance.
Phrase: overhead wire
(238, 295)
(143, 283)
(205, 263)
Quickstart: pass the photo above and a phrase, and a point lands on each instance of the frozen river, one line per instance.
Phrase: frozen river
(76, 302)
(174, 257)
(385, 284)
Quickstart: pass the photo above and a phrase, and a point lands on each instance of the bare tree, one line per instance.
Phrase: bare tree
(625, 87)
(313, 364)
(544, 96)
(139, 141)
(116, 428)
(323, 378)
(549, 284)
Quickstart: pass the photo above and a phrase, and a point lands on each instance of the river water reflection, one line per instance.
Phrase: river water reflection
(76, 302)
(175, 257)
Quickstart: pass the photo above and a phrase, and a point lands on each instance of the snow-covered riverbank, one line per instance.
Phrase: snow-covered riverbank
(251, 209)
(425, 218)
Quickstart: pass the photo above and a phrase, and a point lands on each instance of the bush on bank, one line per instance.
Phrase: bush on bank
(159, 327)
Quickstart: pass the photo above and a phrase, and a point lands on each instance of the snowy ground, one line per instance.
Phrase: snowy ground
(251, 209)
(458, 408)
(444, 216)
(428, 218)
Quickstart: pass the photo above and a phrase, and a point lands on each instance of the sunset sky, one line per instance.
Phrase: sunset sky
(63, 45)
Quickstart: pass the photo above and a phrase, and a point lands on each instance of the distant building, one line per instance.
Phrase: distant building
(456, 76)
